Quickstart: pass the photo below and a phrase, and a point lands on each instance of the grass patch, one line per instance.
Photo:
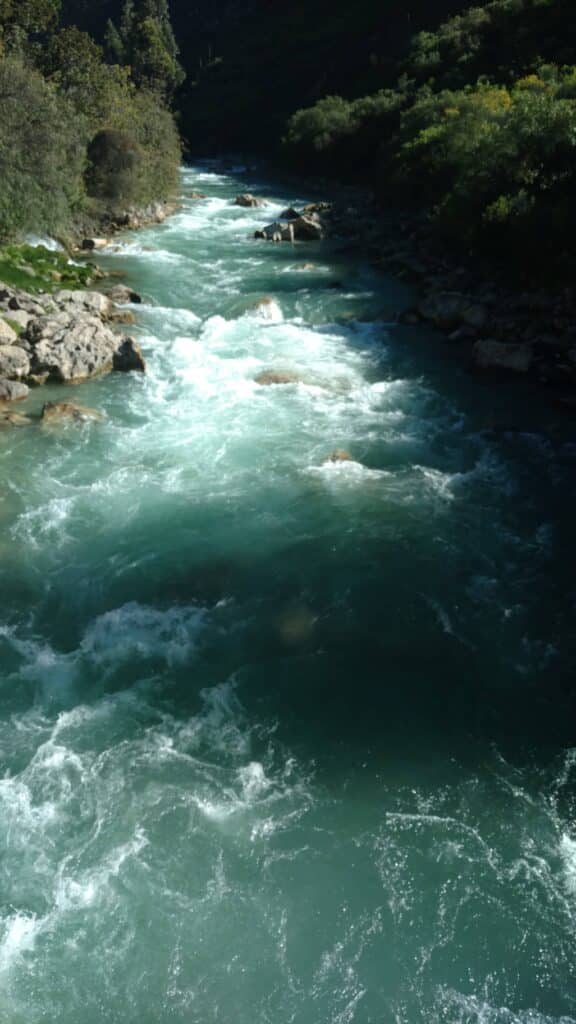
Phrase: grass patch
(34, 268)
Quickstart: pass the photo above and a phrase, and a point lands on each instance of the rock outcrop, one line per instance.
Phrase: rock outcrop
(68, 347)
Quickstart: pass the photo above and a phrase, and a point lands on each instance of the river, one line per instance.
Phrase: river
(286, 740)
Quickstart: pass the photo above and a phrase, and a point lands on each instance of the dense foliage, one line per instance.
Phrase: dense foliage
(479, 130)
(84, 134)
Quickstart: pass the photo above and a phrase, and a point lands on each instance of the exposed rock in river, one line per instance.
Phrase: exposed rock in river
(248, 200)
(122, 294)
(62, 412)
(128, 356)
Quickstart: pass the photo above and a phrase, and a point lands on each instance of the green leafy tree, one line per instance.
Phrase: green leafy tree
(42, 153)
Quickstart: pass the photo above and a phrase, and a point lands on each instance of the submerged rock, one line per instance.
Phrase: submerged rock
(62, 412)
(14, 363)
(13, 391)
(270, 377)
(13, 419)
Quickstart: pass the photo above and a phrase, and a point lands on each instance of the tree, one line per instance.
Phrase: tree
(42, 153)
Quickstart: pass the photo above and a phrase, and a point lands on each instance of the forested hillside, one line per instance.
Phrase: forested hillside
(85, 127)
(479, 131)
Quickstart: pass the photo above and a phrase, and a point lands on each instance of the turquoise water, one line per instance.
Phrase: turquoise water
(284, 740)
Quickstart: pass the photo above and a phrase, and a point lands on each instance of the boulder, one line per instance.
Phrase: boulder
(302, 229)
(88, 302)
(7, 334)
(307, 228)
(12, 391)
(122, 316)
(290, 214)
(122, 294)
(20, 317)
(14, 363)
(23, 301)
(197, 195)
(502, 356)
(68, 347)
(68, 412)
(279, 231)
(128, 356)
(270, 377)
(90, 244)
(248, 200)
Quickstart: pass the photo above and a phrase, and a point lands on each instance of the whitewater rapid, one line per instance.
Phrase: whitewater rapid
(283, 738)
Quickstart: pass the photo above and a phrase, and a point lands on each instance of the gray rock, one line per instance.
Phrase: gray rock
(122, 294)
(128, 356)
(13, 391)
(68, 348)
(28, 304)
(14, 363)
(87, 302)
(20, 317)
(495, 355)
(7, 334)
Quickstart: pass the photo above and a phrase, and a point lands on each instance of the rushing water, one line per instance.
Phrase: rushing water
(284, 740)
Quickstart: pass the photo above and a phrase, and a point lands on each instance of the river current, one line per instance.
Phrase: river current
(286, 740)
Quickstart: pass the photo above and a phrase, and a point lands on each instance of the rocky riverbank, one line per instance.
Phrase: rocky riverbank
(64, 338)
(497, 327)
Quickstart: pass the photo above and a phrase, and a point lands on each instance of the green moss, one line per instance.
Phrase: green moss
(37, 269)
